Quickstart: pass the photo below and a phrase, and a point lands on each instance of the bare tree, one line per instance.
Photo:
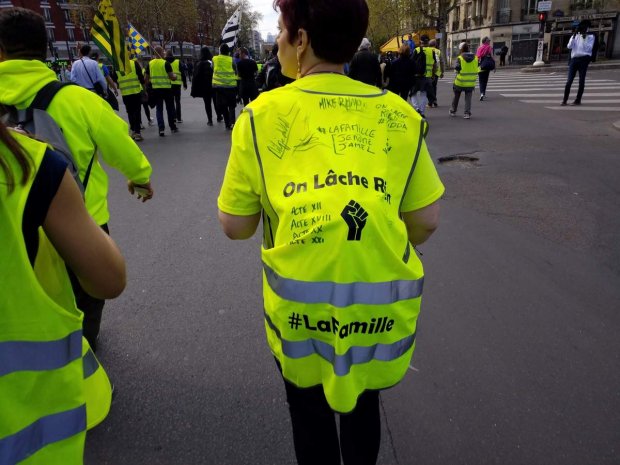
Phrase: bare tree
(437, 12)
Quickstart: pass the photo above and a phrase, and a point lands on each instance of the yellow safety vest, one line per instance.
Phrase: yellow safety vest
(466, 77)
(176, 69)
(430, 60)
(158, 75)
(223, 72)
(42, 389)
(437, 53)
(341, 283)
(129, 83)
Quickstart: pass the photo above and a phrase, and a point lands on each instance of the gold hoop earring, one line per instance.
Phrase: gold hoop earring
(298, 65)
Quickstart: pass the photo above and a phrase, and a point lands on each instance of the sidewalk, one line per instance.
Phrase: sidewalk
(556, 66)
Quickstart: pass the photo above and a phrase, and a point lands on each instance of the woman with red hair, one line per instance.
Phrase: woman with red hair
(340, 174)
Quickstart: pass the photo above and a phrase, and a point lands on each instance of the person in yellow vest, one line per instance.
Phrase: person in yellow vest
(423, 82)
(131, 85)
(465, 81)
(341, 176)
(225, 85)
(160, 75)
(92, 130)
(181, 80)
(437, 74)
(48, 375)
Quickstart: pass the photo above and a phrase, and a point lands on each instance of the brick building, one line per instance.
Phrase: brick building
(66, 27)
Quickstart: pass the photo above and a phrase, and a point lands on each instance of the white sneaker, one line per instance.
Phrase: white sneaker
(452, 113)
(467, 115)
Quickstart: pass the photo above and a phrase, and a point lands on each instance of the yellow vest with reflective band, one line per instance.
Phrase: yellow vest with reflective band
(158, 75)
(129, 83)
(43, 419)
(466, 77)
(341, 283)
(176, 69)
(430, 61)
(437, 53)
(223, 72)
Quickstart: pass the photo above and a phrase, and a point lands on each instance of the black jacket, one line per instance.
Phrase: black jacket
(365, 67)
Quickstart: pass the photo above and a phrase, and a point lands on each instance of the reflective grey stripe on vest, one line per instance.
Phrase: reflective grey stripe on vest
(342, 364)
(343, 294)
(39, 355)
(44, 431)
(90, 364)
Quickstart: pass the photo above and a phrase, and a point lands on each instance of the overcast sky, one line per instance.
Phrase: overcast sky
(270, 17)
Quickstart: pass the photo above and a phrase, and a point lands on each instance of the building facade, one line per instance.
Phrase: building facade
(66, 26)
(514, 23)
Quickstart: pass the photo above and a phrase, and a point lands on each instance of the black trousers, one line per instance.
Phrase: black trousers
(207, 99)
(90, 306)
(133, 105)
(162, 96)
(483, 80)
(147, 112)
(434, 80)
(315, 435)
(248, 91)
(176, 93)
(576, 65)
(502, 59)
(226, 102)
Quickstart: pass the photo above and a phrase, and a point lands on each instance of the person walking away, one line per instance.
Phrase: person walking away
(486, 64)
(465, 81)
(202, 82)
(437, 73)
(424, 61)
(246, 70)
(271, 76)
(179, 71)
(352, 282)
(581, 46)
(42, 351)
(364, 66)
(92, 130)
(399, 73)
(132, 86)
(160, 75)
(225, 85)
(85, 73)
(502, 55)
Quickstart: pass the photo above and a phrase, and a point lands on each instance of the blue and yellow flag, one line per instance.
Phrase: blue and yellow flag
(109, 37)
(138, 43)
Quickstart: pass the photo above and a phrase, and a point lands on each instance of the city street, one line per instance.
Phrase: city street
(517, 347)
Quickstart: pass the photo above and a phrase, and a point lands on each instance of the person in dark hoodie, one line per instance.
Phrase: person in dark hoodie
(365, 66)
(202, 82)
(465, 81)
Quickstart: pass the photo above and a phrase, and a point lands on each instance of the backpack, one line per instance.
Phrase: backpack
(272, 76)
(419, 62)
(35, 121)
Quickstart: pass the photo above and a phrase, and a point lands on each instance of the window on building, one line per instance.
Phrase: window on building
(67, 16)
(582, 4)
(50, 34)
(71, 35)
(529, 7)
(47, 14)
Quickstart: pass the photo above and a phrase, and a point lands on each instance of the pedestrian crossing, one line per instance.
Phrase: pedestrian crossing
(600, 95)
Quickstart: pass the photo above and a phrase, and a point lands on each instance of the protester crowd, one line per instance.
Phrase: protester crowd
(59, 261)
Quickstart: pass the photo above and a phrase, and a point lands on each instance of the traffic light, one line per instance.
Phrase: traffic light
(542, 16)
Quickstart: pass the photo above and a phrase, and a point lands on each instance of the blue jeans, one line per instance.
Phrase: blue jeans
(164, 96)
(576, 65)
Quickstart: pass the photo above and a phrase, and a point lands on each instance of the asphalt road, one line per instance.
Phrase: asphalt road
(518, 351)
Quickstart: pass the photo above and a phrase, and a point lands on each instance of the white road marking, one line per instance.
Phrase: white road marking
(587, 94)
(584, 108)
(555, 101)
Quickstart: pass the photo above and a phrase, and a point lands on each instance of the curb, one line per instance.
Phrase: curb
(539, 69)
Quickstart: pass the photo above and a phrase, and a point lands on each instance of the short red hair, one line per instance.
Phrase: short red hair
(335, 27)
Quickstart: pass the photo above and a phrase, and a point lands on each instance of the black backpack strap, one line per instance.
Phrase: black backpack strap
(47, 93)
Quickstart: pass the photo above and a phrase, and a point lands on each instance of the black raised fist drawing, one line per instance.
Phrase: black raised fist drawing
(355, 216)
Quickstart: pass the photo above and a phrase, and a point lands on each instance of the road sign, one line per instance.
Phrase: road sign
(544, 5)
